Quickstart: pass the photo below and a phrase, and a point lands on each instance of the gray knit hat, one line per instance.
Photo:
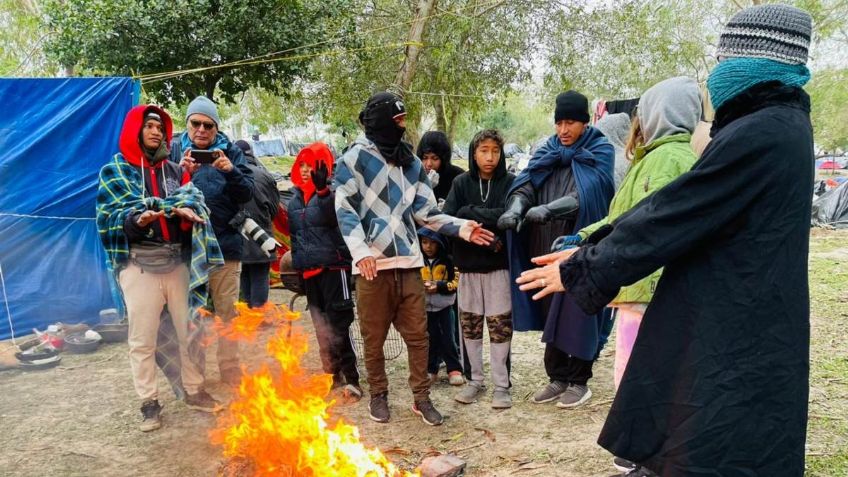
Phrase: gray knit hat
(205, 106)
(776, 32)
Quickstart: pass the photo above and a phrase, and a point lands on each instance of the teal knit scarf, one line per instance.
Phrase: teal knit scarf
(734, 75)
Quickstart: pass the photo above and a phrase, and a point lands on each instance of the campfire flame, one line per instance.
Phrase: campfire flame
(279, 419)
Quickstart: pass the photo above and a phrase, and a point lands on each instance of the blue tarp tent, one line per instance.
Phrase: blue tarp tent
(55, 134)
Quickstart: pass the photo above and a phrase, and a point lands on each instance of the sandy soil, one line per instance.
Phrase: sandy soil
(81, 419)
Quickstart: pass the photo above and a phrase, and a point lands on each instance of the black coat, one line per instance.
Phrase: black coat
(262, 208)
(717, 382)
(465, 201)
(224, 194)
(316, 241)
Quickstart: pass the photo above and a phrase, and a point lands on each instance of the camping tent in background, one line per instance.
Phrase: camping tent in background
(831, 208)
(55, 134)
(269, 147)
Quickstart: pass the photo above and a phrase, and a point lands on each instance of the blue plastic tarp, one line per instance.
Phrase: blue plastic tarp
(55, 134)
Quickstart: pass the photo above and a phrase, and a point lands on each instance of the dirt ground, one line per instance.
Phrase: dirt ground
(81, 419)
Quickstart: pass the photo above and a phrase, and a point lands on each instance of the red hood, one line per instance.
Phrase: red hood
(311, 154)
(129, 143)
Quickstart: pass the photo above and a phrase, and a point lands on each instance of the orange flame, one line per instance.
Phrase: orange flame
(279, 419)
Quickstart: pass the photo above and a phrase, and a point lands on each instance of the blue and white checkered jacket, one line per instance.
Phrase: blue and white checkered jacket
(379, 204)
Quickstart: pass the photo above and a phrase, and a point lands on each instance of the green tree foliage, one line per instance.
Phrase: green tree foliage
(134, 37)
(619, 49)
(473, 51)
(829, 95)
(22, 38)
(521, 118)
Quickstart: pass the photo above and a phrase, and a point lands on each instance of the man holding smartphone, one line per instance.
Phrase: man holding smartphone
(226, 183)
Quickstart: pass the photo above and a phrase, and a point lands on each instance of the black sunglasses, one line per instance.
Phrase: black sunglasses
(196, 124)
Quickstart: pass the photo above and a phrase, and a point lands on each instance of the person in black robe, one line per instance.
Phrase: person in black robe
(718, 381)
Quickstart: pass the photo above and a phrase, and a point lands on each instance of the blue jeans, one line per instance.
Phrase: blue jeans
(255, 283)
(440, 326)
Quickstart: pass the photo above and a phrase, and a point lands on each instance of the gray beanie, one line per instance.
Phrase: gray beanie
(776, 32)
(205, 106)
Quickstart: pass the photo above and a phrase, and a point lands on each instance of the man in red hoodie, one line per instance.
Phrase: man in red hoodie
(153, 272)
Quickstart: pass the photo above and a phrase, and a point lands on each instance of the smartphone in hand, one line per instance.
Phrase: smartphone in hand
(202, 156)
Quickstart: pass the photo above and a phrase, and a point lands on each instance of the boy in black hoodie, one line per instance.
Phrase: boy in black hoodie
(434, 150)
(484, 296)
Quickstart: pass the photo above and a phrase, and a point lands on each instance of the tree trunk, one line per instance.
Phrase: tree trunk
(210, 81)
(416, 33)
(454, 116)
(441, 119)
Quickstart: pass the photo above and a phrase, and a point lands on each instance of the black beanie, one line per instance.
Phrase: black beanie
(571, 105)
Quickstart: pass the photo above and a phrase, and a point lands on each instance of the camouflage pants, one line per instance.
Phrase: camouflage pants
(500, 326)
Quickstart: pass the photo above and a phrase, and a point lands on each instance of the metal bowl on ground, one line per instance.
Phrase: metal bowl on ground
(46, 363)
(37, 353)
(113, 332)
(79, 343)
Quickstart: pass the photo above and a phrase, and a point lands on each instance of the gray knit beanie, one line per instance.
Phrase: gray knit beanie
(776, 32)
(205, 106)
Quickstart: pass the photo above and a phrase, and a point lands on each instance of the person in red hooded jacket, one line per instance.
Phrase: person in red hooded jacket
(153, 269)
(319, 253)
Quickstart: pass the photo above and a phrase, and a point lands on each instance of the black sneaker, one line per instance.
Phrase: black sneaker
(202, 401)
(428, 412)
(150, 410)
(623, 465)
(378, 408)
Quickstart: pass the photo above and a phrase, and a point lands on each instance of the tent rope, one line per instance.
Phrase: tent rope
(267, 58)
(8, 311)
(51, 217)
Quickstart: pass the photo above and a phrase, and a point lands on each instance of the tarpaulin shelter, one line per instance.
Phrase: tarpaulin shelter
(831, 208)
(55, 134)
(269, 147)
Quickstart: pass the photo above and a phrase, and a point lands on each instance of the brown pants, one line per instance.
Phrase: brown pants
(146, 294)
(224, 288)
(395, 297)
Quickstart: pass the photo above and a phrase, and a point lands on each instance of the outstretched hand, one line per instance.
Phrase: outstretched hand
(547, 278)
(479, 235)
(187, 214)
(555, 257)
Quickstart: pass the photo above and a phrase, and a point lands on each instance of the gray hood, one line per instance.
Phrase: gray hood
(672, 106)
(616, 127)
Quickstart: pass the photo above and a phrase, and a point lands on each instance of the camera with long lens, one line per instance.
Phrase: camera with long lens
(252, 231)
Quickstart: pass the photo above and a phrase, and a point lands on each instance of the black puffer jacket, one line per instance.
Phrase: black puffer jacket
(465, 201)
(315, 237)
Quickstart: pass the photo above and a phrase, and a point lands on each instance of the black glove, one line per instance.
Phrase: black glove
(515, 207)
(319, 176)
(558, 209)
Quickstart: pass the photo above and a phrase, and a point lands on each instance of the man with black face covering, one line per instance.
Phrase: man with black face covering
(382, 196)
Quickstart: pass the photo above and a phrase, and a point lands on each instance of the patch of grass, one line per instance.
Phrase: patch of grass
(827, 430)
(827, 465)
(281, 164)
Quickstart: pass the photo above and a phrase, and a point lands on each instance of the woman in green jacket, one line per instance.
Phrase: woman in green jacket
(659, 150)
